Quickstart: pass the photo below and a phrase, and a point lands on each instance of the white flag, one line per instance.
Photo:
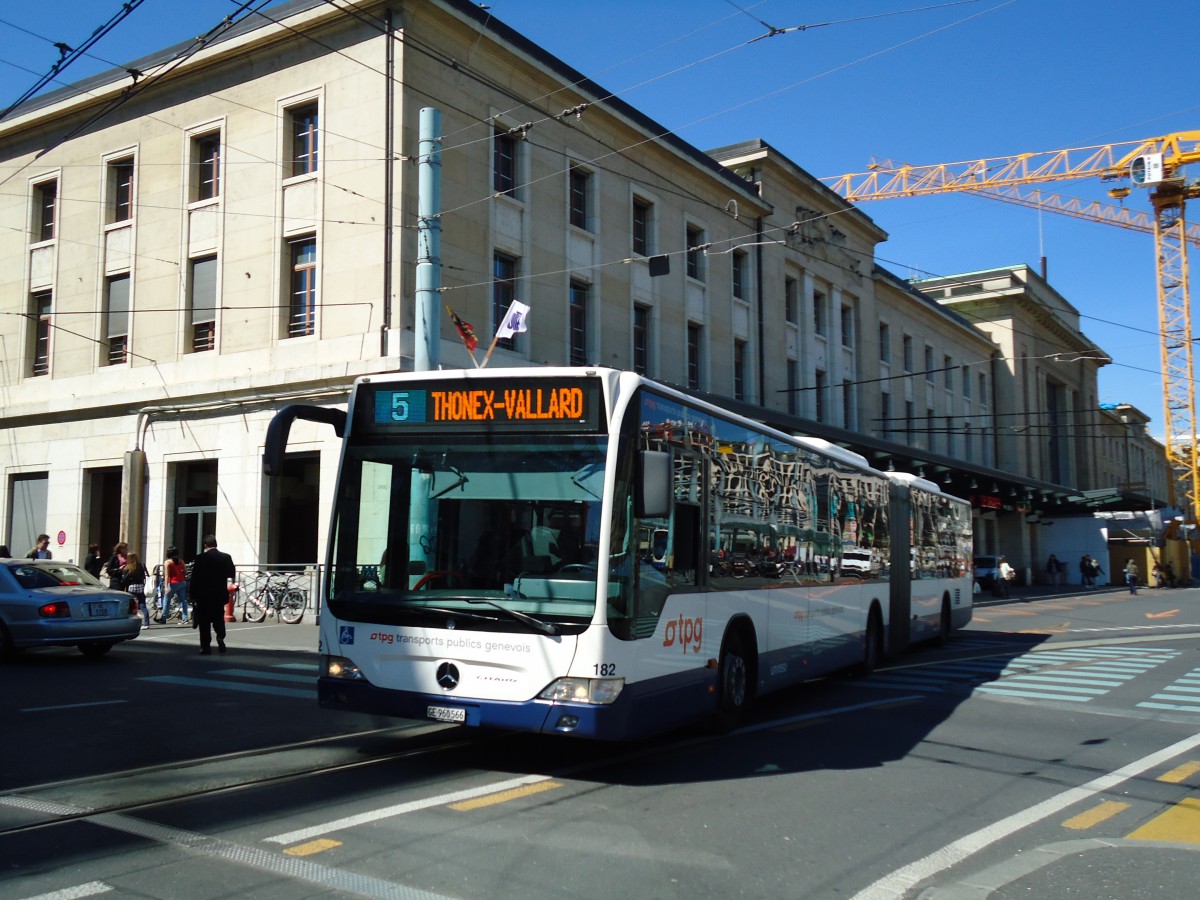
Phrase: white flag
(514, 321)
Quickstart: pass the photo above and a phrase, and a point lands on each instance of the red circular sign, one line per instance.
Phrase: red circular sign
(62, 538)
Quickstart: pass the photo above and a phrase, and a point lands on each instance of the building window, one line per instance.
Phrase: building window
(847, 404)
(791, 292)
(581, 186)
(40, 357)
(302, 302)
(983, 394)
(739, 370)
(695, 253)
(641, 339)
(951, 446)
(927, 429)
(740, 265)
(695, 334)
(120, 190)
(908, 353)
(206, 162)
(885, 343)
(910, 412)
(579, 323)
(45, 211)
(885, 414)
(305, 128)
(820, 322)
(116, 319)
(504, 163)
(847, 326)
(948, 365)
(202, 306)
(819, 393)
(929, 365)
(642, 212)
(966, 382)
(793, 385)
(504, 292)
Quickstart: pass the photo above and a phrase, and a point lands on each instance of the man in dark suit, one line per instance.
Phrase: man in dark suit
(212, 571)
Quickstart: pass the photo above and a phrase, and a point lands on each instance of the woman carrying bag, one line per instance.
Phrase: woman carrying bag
(133, 581)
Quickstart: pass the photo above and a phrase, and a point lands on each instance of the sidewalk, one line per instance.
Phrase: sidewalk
(268, 635)
(1028, 593)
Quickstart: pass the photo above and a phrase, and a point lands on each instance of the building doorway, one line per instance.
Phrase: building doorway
(195, 506)
(294, 512)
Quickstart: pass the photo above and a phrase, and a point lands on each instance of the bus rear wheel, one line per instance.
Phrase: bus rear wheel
(733, 684)
(944, 625)
(872, 644)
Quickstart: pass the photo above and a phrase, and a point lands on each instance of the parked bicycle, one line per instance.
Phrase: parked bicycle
(274, 593)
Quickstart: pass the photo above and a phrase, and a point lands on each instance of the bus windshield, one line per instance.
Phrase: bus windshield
(498, 529)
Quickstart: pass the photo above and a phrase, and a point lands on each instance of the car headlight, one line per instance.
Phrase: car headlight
(343, 668)
(596, 691)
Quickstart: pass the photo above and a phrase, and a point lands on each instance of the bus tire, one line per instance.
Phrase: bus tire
(872, 644)
(733, 683)
(944, 626)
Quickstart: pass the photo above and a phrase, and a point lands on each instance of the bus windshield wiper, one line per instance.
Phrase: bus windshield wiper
(535, 624)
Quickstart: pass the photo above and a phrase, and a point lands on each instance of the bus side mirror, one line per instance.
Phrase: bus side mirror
(655, 485)
(281, 426)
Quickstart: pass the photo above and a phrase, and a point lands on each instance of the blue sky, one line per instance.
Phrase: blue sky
(918, 81)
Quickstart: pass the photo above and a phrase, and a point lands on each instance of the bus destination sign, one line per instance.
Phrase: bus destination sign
(531, 404)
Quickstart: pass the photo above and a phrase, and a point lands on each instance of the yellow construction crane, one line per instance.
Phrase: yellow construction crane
(1157, 164)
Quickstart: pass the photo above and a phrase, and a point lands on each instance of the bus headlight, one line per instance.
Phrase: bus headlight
(340, 667)
(597, 691)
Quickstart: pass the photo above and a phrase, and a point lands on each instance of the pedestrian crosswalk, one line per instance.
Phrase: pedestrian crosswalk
(1074, 675)
(283, 680)
(1182, 695)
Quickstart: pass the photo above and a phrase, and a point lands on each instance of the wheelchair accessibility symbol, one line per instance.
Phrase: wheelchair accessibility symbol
(346, 634)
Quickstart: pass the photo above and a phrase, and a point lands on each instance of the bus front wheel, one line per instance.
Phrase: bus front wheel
(733, 684)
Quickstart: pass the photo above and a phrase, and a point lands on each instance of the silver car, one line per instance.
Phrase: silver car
(45, 603)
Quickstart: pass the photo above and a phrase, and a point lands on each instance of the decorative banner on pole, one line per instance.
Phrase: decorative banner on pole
(467, 333)
(514, 322)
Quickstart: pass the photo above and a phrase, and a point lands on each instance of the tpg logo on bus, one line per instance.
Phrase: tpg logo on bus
(688, 633)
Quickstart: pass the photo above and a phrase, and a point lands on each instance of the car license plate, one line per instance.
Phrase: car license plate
(446, 714)
(102, 609)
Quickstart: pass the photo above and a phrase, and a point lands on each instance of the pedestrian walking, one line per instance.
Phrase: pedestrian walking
(115, 564)
(1096, 570)
(1085, 571)
(133, 581)
(175, 576)
(1005, 573)
(212, 573)
(1131, 576)
(40, 550)
(93, 562)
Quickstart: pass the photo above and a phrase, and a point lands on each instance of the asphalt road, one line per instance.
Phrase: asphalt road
(1051, 750)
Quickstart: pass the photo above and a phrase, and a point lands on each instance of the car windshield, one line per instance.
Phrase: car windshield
(488, 527)
(44, 575)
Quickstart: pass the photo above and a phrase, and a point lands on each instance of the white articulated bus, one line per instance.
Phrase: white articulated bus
(588, 552)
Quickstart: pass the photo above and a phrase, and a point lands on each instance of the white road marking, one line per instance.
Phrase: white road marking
(898, 883)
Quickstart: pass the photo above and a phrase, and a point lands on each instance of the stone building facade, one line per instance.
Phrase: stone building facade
(185, 252)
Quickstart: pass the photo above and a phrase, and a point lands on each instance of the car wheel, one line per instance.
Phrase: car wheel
(95, 648)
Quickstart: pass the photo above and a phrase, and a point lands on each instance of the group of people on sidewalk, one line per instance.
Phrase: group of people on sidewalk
(208, 586)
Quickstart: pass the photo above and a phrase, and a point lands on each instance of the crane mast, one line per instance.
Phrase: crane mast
(1158, 164)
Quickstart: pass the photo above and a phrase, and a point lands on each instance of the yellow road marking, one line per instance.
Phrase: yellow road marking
(1096, 815)
(505, 796)
(1180, 773)
(1180, 823)
(312, 847)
